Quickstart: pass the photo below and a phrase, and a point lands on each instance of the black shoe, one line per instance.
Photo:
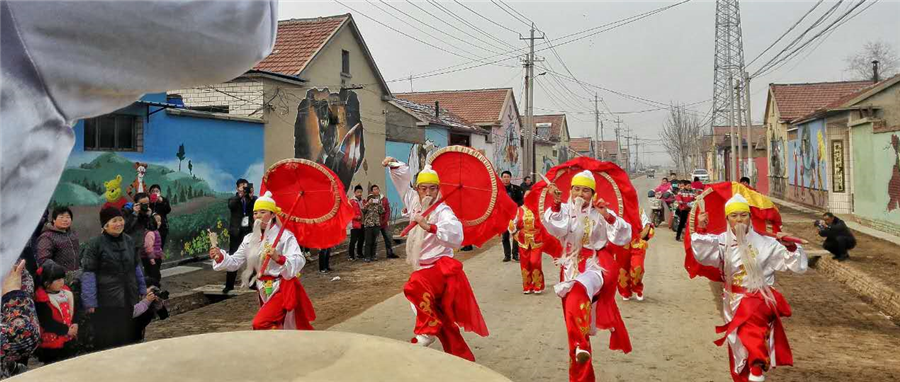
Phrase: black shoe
(352, 258)
(842, 257)
(392, 256)
(516, 259)
(226, 290)
(505, 259)
(367, 260)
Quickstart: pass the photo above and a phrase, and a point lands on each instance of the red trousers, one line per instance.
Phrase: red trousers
(290, 297)
(577, 313)
(532, 272)
(444, 302)
(752, 322)
(631, 271)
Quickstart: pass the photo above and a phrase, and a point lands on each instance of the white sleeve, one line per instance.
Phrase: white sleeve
(449, 229)
(96, 57)
(782, 259)
(706, 249)
(645, 221)
(401, 178)
(618, 233)
(294, 259)
(233, 262)
(557, 223)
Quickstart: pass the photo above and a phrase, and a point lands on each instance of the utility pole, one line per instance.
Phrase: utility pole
(529, 103)
(731, 122)
(599, 149)
(618, 142)
(628, 152)
(750, 150)
(740, 127)
(637, 158)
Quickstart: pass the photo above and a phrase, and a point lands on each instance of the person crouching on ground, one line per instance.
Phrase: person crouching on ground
(284, 303)
(838, 238)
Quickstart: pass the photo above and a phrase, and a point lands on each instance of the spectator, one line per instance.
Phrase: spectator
(745, 181)
(526, 184)
(325, 260)
(385, 221)
(29, 253)
(684, 198)
(137, 219)
(372, 212)
(838, 238)
(517, 195)
(663, 186)
(112, 282)
(59, 243)
(676, 185)
(697, 184)
(357, 234)
(241, 224)
(19, 325)
(144, 311)
(152, 255)
(161, 207)
(55, 305)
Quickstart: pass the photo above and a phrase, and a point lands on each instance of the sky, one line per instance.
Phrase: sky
(662, 59)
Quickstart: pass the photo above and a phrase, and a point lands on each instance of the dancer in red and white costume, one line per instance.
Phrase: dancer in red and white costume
(631, 262)
(284, 303)
(585, 226)
(528, 231)
(438, 289)
(752, 306)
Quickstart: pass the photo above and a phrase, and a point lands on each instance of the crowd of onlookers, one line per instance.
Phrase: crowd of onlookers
(66, 298)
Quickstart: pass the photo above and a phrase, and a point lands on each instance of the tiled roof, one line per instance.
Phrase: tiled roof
(580, 145)
(797, 100)
(297, 42)
(445, 117)
(556, 122)
(608, 146)
(478, 106)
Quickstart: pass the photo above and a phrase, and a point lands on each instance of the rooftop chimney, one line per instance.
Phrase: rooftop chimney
(437, 110)
(875, 71)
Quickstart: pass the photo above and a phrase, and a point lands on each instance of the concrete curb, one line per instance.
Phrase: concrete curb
(870, 289)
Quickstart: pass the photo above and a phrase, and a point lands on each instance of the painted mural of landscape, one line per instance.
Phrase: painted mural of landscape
(105, 181)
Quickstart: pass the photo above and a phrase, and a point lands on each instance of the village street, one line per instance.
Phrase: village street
(836, 336)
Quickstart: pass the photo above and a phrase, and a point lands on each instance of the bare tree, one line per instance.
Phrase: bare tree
(859, 64)
(681, 137)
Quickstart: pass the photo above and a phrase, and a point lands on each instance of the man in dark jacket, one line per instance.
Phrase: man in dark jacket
(517, 195)
(137, 219)
(838, 238)
(241, 207)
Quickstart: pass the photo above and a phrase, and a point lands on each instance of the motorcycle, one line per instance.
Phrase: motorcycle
(657, 215)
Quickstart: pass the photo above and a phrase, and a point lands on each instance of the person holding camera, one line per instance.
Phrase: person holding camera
(153, 304)
(838, 238)
(241, 207)
(160, 206)
(137, 219)
(372, 211)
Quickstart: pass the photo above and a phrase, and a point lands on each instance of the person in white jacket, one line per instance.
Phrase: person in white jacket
(752, 306)
(284, 303)
(62, 61)
(585, 226)
(438, 289)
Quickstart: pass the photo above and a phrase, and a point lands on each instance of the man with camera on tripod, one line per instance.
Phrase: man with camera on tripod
(241, 207)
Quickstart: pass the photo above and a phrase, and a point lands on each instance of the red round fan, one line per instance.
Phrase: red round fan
(312, 201)
(472, 189)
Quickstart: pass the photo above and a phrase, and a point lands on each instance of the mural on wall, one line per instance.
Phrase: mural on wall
(196, 179)
(506, 143)
(806, 169)
(563, 153)
(893, 187)
(329, 130)
(777, 164)
(418, 154)
(548, 164)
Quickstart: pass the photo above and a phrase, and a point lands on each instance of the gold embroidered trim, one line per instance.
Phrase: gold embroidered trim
(294, 163)
(698, 203)
(491, 173)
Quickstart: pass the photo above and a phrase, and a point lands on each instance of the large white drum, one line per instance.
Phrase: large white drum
(271, 356)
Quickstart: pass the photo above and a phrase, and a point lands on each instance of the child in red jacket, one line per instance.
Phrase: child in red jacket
(55, 305)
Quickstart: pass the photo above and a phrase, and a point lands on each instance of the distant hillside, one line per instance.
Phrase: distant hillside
(71, 194)
(178, 187)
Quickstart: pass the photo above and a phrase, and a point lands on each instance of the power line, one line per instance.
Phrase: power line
(513, 16)
(466, 22)
(816, 5)
(486, 18)
(454, 26)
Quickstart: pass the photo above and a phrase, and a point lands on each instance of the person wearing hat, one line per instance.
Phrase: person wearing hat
(587, 287)
(752, 306)
(112, 282)
(284, 303)
(438, 289)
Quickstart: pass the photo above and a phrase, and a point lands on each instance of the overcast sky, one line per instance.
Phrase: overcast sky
(666, 57)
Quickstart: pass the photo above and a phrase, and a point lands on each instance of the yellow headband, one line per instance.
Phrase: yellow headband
(737, 203)
(266, 203)
(585, 179)
(427, 176)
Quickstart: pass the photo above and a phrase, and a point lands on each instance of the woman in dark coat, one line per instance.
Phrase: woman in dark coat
(112, 282)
